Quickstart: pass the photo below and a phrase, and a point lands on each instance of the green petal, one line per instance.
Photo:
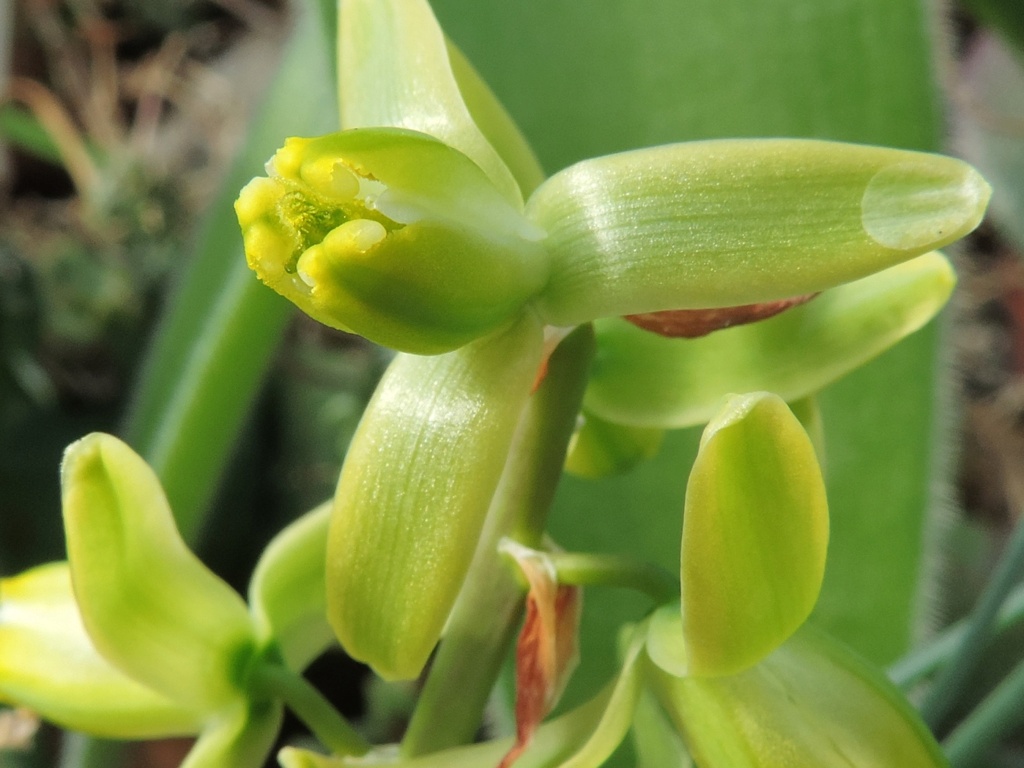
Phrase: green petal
(287, 593)
(49, 664)
(394, 70)
(414, 492)
(810, 704)
(646, 380)
(393, 235)
(755, 534)
(725, 223)
(600, 448)
(240, 737)
(151, 607)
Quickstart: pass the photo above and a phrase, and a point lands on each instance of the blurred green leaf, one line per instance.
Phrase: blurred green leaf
(20, 129)
(221, 327)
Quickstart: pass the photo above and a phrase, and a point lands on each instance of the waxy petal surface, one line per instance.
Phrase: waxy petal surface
(733, 222)
(150, 606)
(755, 536)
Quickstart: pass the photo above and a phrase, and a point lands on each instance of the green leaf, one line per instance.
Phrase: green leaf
(602, 448)
(393, 70)
(391, 234)
(20, 128)
(152, 609)
(287, 592)
(725, 223)
(755, 535)
(810, 704)
(49, 664)
(218, 335)
(642, 379)
(414, 492)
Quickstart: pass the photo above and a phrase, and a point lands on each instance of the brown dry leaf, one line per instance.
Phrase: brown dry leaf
(547, 651)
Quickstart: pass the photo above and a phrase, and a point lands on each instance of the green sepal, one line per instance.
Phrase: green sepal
(152, 609)
(394, 70)
(391, 234)
(49, 664)
(288, 594)
(733, 222)
(755, 536)
(415, 489)
(600, 448)
(642, 379)
(812, 703)
(239, 737)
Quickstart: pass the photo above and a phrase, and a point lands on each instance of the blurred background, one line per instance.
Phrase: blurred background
(125, 127)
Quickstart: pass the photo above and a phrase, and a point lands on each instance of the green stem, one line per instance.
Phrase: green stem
(616, 571)
(309, 705)
(953, 679)
(484, 620)
(998, 714)
(922, 662)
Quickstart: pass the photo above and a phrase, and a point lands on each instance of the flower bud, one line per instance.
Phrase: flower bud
(151, 608)
(393, 235)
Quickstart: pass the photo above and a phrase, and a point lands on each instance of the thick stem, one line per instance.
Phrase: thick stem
(482, 625)
(309, 705)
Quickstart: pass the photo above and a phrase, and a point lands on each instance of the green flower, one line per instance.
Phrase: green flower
(419, 239)
(427, 226)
